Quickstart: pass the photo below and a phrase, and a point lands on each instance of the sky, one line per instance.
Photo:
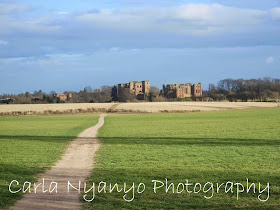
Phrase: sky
(66, 45)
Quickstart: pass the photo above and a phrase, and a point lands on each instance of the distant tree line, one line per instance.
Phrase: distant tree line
(266, 89)
(88, 95)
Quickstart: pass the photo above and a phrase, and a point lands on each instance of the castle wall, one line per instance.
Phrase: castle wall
(197, 90)
(63, 97)
(182, 90)
(170, 91)
(137, 88)
(146, 87)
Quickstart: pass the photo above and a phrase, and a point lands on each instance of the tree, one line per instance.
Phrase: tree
(151, 97)
(27, 95)
(114, 93)
(154, 91)
(48, 98)
(105, 94)
(212, 87)
(38, 94)
(125, 95)
(88, 89)
(58, 100)
(52, 92)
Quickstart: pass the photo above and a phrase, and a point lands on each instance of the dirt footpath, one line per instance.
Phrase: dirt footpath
(75, 165)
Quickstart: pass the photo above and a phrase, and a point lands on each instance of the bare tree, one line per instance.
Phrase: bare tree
(88, 89)
(154, 90)
(125, 95)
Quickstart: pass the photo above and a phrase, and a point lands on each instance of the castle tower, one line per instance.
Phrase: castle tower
(146, 85)
(197, 90)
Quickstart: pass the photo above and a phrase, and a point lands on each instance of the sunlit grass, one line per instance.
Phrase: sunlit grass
(201, 147)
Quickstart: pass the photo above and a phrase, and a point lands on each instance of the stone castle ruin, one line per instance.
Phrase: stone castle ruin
(142, 89)
(182, 90)
(63, 97)
(139, 89)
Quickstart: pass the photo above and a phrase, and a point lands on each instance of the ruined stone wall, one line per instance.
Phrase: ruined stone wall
(197, 90)
(69, 96)
(169, 91)
(182, 90)
(137, 88)
(146, 87)
(63, 97)
(180, 93)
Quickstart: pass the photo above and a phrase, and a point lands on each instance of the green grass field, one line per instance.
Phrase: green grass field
(31, 144)
(202, 147)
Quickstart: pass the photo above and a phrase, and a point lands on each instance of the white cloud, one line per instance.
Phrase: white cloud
(14, 60)
(270, 60)
(12, 9)
(43, 62)
(194, 12)
(275, 13)
(39, 61)
(188, 19)
(115, 49)
(35, 32)
(217, 14)
(194, 19)
(2, 42)
(18, 18)
(63, 13)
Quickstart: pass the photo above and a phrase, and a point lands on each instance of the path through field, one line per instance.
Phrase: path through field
(75, 165)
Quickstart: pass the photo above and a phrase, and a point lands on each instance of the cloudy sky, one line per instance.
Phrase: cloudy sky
(69, 44)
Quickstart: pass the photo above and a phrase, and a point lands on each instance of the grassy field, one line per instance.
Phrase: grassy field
(204, 147)
(31, 144)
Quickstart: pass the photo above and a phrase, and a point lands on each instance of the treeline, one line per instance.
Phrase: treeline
(88, 95)
(266, 89)
(28, 98)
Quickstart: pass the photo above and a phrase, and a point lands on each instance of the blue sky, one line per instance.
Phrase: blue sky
(67, 45)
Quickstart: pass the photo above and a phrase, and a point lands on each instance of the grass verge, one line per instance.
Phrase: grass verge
(31, 144)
